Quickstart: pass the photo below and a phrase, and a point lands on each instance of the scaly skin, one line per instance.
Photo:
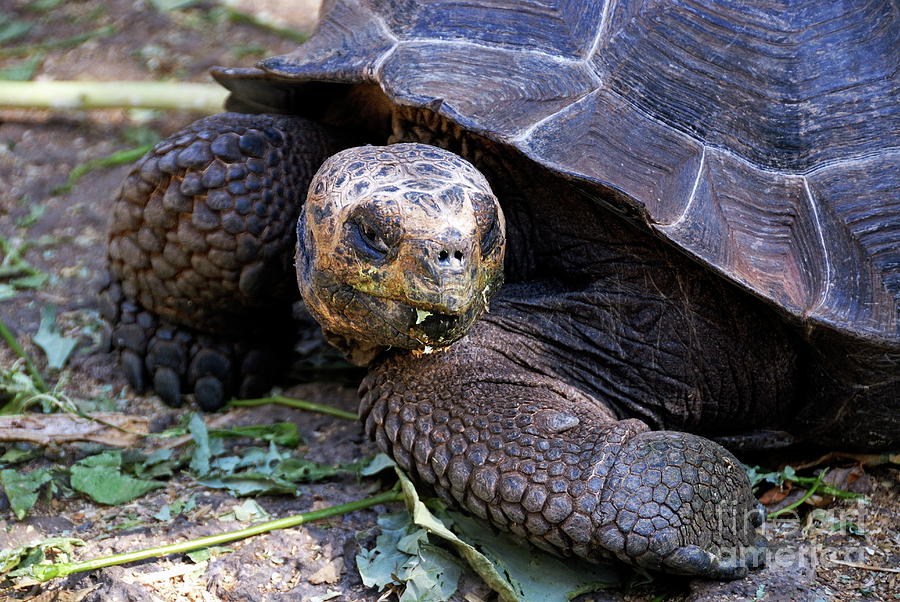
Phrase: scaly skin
(200, 249)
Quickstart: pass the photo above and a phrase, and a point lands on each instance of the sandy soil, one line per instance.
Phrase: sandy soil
(37, 151)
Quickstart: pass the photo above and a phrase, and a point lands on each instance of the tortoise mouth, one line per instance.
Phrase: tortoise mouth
(435, 326)
(401, 324)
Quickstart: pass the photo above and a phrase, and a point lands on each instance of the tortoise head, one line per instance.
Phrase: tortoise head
(398, 246)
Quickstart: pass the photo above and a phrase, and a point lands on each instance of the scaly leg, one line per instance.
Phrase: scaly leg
(201, 255)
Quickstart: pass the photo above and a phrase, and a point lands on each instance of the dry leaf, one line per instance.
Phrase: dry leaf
(776, 494)
(330, 572)
(108, 428)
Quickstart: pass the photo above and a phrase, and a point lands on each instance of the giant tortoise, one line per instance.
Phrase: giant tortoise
(549, 229)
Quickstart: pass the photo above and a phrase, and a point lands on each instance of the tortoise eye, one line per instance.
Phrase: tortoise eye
(370, 240)
(488, 220)
(490, 233)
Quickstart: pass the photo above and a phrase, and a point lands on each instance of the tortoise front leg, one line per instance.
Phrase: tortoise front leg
(201, 252)
(537, 457)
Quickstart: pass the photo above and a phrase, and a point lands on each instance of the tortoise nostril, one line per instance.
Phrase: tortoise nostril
(450, 258)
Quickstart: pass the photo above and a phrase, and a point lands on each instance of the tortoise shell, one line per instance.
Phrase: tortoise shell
(761, 137)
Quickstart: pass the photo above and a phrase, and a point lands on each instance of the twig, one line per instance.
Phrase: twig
(864, 459)
(45, 572)
(294, 403)
(205, 98)
(17, 349)
(868, 567)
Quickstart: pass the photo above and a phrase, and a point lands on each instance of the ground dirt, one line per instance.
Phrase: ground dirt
(810, 560)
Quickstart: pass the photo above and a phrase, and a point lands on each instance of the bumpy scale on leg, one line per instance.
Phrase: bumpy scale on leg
(541, 459)
(200, 255)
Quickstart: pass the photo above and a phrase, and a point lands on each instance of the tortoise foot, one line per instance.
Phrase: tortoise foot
(175, 361)
(682, 504)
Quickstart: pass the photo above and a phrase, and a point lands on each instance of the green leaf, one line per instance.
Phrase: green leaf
(121, 157)
(379, 566)
(300, 470)
(24, 70)
(170, 5)
(537, 575)
(57, 348)
(281, 433)
(203, 554)
(43, 5)
(17, 389)
(479, 563)
(432, 576)
(378, 463)
(22, 488)
(164, 514)
(246, 511)
(24, 557)
(160, 463)
(202, 452)
(35, 212)
(100, 477)
(11, 29)
(31, 281)
(15, 455)
(139, 135)
(402, 555)
(250, 483)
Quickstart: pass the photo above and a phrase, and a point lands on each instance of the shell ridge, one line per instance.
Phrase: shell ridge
(693, 195)
(829, 276)
(601, 30)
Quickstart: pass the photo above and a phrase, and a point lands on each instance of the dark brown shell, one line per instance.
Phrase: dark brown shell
(761, 137)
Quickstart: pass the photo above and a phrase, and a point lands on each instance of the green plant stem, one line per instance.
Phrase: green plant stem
(810, 481)
(51, 571)
(17, 349)
(72, 41)
(809, 494)
(294, 403)
(204, 98)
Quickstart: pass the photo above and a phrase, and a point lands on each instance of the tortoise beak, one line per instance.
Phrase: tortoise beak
(442, 277)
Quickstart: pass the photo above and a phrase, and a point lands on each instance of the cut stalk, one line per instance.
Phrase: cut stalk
(294, 403)
(203, 98)
(45, 572)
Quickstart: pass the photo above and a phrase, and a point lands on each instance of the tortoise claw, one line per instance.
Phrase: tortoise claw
(167, 385)
(133, 367)
(209, 393)
(177, 361)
